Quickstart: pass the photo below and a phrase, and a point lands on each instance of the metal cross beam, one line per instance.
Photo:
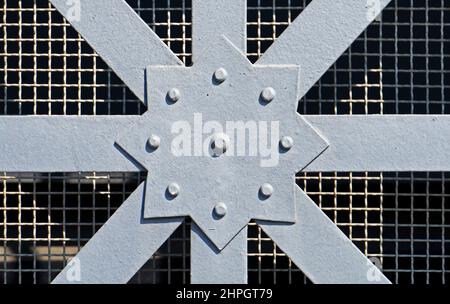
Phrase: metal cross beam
(222, 194)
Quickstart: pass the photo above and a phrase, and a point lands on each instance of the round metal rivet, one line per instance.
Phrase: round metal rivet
(173, 189)
(266, 190)
(154, 141)
(220, 210)
(174, 94)
(220, 75)
(220, 143)
(287, 142)
(268, 94)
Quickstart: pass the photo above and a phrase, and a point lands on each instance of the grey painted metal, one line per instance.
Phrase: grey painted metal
(212, 266)
(320, 249)
(121, 38)
(319, 36)
(63, 144)
(236, 179)
(358, 143)
(315, 40)
(383, 143)
(213, 19)
(120, 248)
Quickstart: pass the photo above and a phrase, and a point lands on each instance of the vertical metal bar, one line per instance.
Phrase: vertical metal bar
(35, 66)
(19, 230)
(20, 58)
(396, 56)
(5, 231)
(64, 85)
(34, 210)
(49, 223)
(211, 266)
(380, 63)
(443, 240)
(381, 221)
(411, 231)
(411, 59)
(427, 224)
(183, 35)
(49, 56)
(396, 225)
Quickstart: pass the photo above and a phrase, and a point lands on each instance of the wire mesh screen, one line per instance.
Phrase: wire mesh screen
(399, 65)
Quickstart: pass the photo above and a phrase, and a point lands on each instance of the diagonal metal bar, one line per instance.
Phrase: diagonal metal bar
(319, 36)
(120, 37)
(383, 143)
(212, 266)
(320, 249)
(213, 19)
(63, 144)
(120, 248)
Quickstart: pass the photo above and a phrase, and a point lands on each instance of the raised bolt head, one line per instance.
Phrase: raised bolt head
(154, 141)
(268, 94)
(174, 94)
(219, 144)
(220, 210)
(266, 190)
(287, 142)
(173, 189)
(220, 75)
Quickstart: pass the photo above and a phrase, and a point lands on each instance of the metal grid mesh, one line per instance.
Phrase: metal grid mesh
(398, 218)
(49, 69)
(48, 217)
(399, 65)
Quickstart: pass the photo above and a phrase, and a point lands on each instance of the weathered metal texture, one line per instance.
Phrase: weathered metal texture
(223, 85)
(120, 248)
(213, 266)
(121, 38)
(320, 249)
(319, 36)
(383, 143)
(63, 144)
(232, 179)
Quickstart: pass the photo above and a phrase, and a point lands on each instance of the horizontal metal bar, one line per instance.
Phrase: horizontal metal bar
(319, 36)
(387, 143)
(209, 265)
(123, 40)
(120, 248)
(317, 246)
(357, 143)
(63, 144)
